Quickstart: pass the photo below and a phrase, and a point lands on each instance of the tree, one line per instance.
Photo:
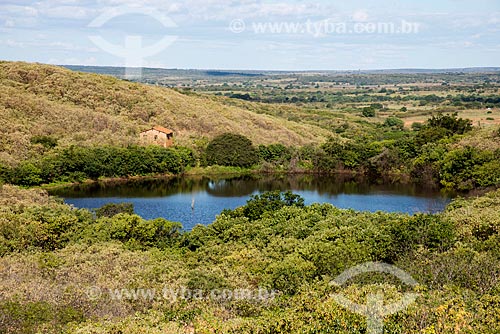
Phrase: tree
(231, 149)
(46, 141)
(274, 153)
(368, 112)
(451, 123)
(394, 122)
(112, 209)
(269, 202)
(27, 174)
(442, 126)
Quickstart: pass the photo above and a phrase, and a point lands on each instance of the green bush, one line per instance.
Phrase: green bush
(451, 123)
(274, 153)
(429, 231)
(45, 141)
(26, 174)
(33, 317)
(112, 209)
(368, 112)
(132, 230)
(231, 149)
(394, 122)
(269, 201)
(76, 164)
(468, 168)
(45, 228)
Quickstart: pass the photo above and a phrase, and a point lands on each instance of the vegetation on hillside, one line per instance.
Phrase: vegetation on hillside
(63, 269)
(267, 266)
(440, 152)
(231, 149)
(42, 106)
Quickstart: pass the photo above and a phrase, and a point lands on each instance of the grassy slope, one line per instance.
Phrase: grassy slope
(88, 108)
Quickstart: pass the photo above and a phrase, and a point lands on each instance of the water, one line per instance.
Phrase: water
(197, 200)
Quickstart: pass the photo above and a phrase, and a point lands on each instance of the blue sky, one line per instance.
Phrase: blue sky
(225, 34)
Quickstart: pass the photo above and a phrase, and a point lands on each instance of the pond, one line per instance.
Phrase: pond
(197, 200)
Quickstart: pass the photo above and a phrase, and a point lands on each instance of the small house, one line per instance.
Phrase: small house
(157, 135)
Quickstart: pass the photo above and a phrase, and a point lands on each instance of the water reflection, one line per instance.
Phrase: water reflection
(240, 186)
(197, 200)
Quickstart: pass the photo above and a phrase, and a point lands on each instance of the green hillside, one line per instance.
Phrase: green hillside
(80, 108)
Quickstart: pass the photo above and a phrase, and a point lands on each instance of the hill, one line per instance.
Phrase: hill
(89, 109)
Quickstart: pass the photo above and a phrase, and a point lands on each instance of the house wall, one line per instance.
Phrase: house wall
(155, 137)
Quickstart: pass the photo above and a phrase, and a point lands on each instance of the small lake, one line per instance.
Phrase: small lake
(197, 200)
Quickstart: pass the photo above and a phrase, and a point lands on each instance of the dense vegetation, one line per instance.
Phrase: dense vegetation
(68, 270)
(231, 150)
(42, 102)
(76, 163)
(444, 151)
(62, 126)
(53, 254)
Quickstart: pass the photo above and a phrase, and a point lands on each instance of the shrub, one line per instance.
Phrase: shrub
(112, 209)
(429, 231)
(26, 174)
(231, 149)
(368, 112)
(269, 201)
(451, 123)
(46, 227)
(132, 230)
(416, 126)
(394, 122)
(274, 153)
(76, 164)
(288, 275)
(467, 168)
(45, 141)
(33, 317)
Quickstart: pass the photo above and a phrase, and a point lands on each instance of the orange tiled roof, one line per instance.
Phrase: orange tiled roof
(161, 129)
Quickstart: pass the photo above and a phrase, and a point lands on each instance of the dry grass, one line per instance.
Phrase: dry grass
(95, 109)
(11, 196)
(478, 117)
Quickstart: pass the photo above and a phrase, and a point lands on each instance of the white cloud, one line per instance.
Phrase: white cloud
(53, 45)
(360, 16)
(25, 11)
(67, 12)
(9, 23)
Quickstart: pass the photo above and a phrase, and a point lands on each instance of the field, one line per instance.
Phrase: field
(268, 266)
(473, 93)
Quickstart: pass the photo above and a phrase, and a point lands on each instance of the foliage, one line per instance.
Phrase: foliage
(468, 168)
(231, 150)
(274, 153)
(111, 209)
(421, 230)
(26, 174)
(133, 231)
(16, 317)
(394, 122)
(368, 112)
(77, 163)
(269, 201)
(46, 141)
(451, 123)
(282, 245)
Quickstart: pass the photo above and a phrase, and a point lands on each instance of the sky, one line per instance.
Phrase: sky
(253, 34)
